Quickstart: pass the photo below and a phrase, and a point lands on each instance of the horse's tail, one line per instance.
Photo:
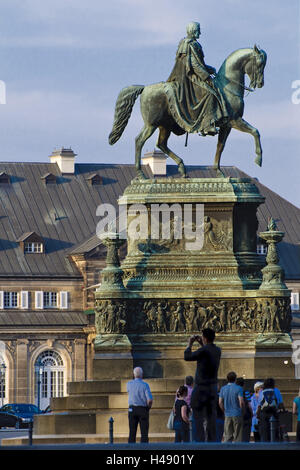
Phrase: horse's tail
(123, 109)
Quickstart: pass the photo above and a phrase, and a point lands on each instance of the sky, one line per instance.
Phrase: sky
(64, 62)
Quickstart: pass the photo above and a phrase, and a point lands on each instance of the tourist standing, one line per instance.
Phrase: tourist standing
(247, 410)
(268, 407)
(296, 410)
(189, 383)
(231, 402)
(140, 401)
(219, 421)
(258, 387)
(181, 416)
(204, 396)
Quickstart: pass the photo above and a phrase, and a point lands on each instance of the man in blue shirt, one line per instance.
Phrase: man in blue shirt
(296, 410)
(231, 402)
(140, 401)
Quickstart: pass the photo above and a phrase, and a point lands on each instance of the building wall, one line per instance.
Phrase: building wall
(22, 344)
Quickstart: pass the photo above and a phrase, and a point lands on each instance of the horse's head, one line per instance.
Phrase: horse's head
(255, 67)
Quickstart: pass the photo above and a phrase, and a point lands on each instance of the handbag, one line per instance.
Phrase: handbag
(170, 423)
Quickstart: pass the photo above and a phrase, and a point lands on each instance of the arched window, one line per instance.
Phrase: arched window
(50, 377)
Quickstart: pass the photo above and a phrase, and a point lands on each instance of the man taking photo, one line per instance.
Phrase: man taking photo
(205, 397)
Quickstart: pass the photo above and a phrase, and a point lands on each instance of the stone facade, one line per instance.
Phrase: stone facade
(65, 336)
(164, 290)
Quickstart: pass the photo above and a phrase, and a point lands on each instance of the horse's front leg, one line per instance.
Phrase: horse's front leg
(243, 126)
(222, 137)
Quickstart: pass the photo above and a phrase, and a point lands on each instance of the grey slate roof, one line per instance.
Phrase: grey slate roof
(64, 214)
(44, 318)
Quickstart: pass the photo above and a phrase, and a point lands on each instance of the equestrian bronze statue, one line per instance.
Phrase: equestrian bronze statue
(194, 99)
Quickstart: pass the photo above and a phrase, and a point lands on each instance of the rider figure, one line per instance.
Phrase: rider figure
(198, 101)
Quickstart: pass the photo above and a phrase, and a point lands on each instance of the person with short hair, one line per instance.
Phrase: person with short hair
(247, 410)
(140, 401)
(231, 402)
(181, 416)
(204, 396)
(296, 410)
(258, 386)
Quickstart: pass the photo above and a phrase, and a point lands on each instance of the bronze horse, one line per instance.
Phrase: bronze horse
(230, 80)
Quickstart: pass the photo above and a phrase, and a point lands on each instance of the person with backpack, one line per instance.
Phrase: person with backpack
(270, 402)
(247, 411)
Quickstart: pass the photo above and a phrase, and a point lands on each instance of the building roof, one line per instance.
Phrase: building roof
(64, 214)
(31, 318)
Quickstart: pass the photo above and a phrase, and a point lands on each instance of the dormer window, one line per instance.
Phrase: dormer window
(31, 242)
(94, 179)
(4, 178)
(33, 247)
(262, 249)
(49, 178)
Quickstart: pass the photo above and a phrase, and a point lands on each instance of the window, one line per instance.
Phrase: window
(49, 178)
(33, 247)
(51, 382)
(50, 299)
(295, 301)
(4, 178)
(262, 249)
(10, 299)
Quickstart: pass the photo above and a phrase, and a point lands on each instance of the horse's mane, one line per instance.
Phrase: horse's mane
(238, 53)
(234, 56)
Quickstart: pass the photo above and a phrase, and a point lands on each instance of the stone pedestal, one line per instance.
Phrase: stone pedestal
(168, 288)
(171, 286)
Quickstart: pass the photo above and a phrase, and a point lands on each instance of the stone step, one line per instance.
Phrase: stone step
(100, 402)
(160, 385)
(93, 387)
(119, 386)
(83, 439)
(97, 423)
(120, 401)
(94, 439)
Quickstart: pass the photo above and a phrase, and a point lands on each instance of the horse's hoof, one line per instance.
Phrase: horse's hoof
(140, 175)
(258, 160)
(182, 171)
(219, 172)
